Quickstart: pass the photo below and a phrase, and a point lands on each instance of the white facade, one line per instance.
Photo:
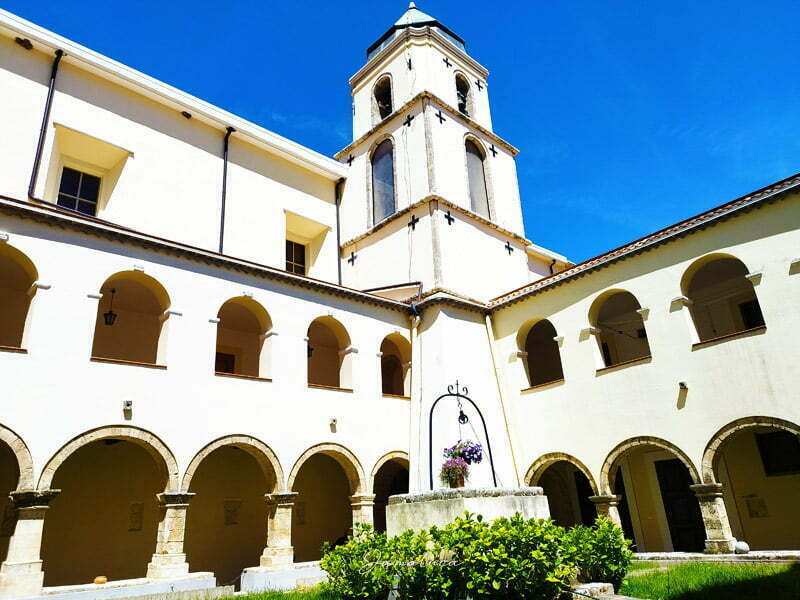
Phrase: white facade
(326, 378)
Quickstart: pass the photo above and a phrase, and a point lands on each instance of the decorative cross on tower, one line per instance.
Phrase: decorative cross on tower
(350, 160)
(449, 218)
(408, 120)
(440, 116)
(493, 150)
(447, 62)
(509, 248)
(352, 259)
(413, 222)
(479, 84)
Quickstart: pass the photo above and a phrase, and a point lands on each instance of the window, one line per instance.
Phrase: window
(622, 336)
(723, 299)
(780, 452)
(225, 363)
(544, 358)
(79, 191)
(295, 258)
(462, 94)
(751, 314)
(383, 98)
(383, 204)
(476, 175)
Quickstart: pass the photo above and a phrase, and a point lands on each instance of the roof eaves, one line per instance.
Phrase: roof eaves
(159, 91)
(698, 222)
(56, 216)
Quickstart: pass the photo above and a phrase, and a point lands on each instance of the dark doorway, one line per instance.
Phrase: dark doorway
(681, 506)
(391, 479)
(623, 507)
(584, 489)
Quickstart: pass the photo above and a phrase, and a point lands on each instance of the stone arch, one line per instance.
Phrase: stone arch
(540, 465)
(606, 485)
(23, 455)
(151, 443)
(617, 321)
(399, 455)
(710, 453)
(262, 453)
(346, 459)
(330, 353)
(699, 263)
(395, 361)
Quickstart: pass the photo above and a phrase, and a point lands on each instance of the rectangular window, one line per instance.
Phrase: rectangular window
(295, 258)
(79, 191)
(751, 314)
(780, 452)
(225, 363)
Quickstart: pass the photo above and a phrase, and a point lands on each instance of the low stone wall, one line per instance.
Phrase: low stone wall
(440, 507)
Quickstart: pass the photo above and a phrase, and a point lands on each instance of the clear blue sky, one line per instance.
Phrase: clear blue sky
(629, 115)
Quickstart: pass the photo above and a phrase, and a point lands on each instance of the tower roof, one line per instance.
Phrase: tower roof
(414, 17)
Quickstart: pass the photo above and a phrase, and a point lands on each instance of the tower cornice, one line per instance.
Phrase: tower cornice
(415, 35)
(452, 112)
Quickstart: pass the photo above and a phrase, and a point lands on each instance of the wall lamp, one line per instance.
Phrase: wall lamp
(110, 317)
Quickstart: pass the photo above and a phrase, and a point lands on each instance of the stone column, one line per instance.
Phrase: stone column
(607, 507)
(21, 574)
(279, 553)
(362, 508)
(169, 561)
(719, 538)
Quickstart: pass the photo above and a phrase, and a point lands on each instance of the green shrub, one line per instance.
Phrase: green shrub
(509, 558)
(357, 569)
(600, 552)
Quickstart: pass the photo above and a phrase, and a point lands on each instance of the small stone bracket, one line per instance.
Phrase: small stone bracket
(348, 350)
(4, 236)
(559, 339)
(590, 331)
(139, 268)
(269, 334)
(94, 296)
(754, 277)
(170, 311)
(681, 300)
(521, 354)
(214, 321)
(644, 311)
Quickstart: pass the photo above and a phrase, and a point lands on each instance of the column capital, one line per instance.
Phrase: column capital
(362, 500)
(610, 499)
(281, 498)
(175, 498)
(33, 498)
(707, 491)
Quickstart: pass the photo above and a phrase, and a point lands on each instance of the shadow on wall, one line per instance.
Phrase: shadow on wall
(226, 529)
(105, 520)
(322, 511)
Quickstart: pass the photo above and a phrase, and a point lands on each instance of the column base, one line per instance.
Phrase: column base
(167, 566)
(277, 558)
(20, 580)
(720, 546)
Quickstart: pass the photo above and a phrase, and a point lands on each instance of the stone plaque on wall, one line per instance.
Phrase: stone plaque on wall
(231, 510)
(136, 516)
(756, 507)
(299, 513)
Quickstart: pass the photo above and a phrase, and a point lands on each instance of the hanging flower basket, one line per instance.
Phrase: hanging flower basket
(455, 469)
(454, 472)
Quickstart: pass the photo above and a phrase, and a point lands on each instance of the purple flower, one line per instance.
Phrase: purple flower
(471, 452)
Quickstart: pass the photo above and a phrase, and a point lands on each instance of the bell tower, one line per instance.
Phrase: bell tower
(431, 196)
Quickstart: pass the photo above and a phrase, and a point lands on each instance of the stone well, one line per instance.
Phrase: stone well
(440, 507)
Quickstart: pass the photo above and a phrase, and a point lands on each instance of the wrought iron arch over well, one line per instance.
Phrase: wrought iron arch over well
(460, 394)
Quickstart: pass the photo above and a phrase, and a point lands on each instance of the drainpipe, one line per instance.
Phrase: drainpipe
(338, 188)
(228, 132)
(501, 395)
(43, 131)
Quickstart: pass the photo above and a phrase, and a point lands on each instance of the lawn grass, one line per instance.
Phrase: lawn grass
(315, 593)
(717, 581)
(641, 565)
